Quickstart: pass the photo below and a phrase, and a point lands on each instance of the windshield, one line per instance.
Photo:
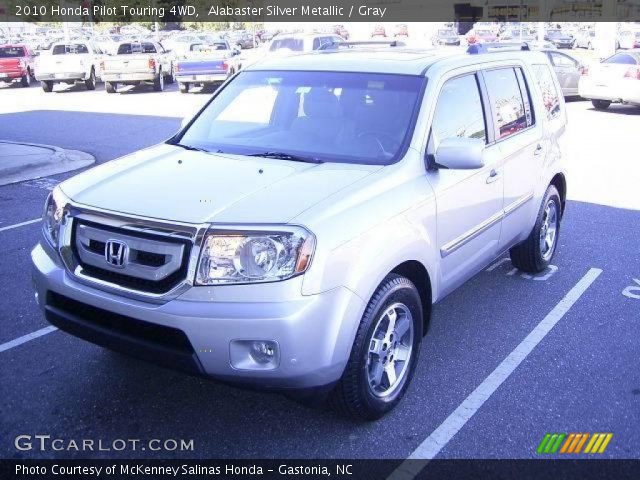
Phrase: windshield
(11, 52)
(322, 116)
(293, 44)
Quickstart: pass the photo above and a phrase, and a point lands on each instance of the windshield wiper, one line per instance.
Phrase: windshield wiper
(189, 147)
(286, 156)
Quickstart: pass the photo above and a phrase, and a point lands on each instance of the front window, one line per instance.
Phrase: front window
(319, 116)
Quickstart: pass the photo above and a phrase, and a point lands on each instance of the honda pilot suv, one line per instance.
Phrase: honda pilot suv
(295, 233)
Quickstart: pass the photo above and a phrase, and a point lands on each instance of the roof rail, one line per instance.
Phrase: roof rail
(363, 43)
(496, 47)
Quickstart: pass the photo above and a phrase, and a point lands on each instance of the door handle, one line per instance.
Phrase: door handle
(539, 149)
(493, 176)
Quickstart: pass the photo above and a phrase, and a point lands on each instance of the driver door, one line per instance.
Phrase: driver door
(468, 202)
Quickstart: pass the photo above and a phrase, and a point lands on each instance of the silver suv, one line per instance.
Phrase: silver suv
(295, 233)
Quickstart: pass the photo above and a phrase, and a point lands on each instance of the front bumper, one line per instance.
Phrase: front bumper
(61, 76)
(194, 331)
(201, 78)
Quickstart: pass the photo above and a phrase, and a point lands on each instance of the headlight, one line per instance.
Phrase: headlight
(247, 256)
(53, 216)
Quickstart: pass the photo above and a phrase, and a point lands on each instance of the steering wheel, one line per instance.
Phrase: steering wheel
(377, 136)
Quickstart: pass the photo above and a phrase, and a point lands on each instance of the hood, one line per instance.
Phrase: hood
(170, 183)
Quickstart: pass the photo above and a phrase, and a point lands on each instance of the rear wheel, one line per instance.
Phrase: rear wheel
(535, 253)
(90, 82)
(384, 353)
(47, 85)
(158, 83)
(25, 81)
(601, 104)
(111, 87)
(184, 87)
(171, 77)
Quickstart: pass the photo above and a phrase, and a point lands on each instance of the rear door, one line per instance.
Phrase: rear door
(468, 202)
(519, 138)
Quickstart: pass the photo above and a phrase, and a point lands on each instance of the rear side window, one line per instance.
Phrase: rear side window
(293, 44)
(459, 112)
(11, 52)
(550, 96)
(507, 102)
(560, 60)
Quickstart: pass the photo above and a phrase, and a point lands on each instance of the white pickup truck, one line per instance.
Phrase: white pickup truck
(138, 62)
(69, 63)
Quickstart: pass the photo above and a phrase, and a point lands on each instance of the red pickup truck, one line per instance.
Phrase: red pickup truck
(16, 64)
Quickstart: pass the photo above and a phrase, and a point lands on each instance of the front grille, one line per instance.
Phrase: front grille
(156, 263)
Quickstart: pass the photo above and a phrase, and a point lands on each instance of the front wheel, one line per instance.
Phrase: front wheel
(384, 353)
(600, 104)
(535, 253)
(47, 85)
(184, 87)
(110, 87)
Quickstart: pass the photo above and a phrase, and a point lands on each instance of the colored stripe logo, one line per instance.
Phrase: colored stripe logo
(574, 443)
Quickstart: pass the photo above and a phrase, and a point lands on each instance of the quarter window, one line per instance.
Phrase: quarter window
(458, 112)
(508, 106)
(550, 96)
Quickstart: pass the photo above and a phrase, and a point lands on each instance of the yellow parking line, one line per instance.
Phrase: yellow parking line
(594, 437)
(596, 445)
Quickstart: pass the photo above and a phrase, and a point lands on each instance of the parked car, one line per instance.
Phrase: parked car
(446, 36)
(559, 39)
(17, 64)
(254, 246)
(401, 30)
(242, 39)
(481, 36)
(69, 63)
(108, 43)
(585, 39)
(628, 39)
(205, 65)
(136, 63)
(341, 31)
(301, 42)
(568, 69)
(614, 80)
(379, 32)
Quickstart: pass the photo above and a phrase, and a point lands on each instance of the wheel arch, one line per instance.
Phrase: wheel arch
(560, 182)
(419, 276)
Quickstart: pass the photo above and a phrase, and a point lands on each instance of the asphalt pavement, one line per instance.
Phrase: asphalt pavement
(580, 376)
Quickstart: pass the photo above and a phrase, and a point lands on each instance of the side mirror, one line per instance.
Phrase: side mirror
(460, 153)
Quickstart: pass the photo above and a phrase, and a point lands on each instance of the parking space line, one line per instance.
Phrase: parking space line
(21, 224)
(27, 338)
(439, 438)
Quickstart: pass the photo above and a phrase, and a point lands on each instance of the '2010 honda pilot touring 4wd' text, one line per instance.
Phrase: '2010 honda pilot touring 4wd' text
(295, 233)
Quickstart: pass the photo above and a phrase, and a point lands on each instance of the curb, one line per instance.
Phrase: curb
(59, 161)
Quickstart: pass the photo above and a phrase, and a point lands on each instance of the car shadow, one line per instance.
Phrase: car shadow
(619, 109)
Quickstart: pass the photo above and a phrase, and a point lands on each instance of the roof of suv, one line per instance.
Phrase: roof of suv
(403, 61)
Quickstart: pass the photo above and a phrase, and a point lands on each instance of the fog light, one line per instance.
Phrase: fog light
(254, 354)
(263, 352)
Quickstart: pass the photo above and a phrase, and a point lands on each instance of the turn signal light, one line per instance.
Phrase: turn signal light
(152, 64)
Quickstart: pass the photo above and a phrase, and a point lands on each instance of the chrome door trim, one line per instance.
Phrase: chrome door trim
(466, 237)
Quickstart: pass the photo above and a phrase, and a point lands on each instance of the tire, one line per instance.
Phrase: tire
(600, 104)
(158, 82)
(25, 81)
(90, 82)
(111, 87)
(532, 255)
(47, 85)
(357, 395)
(184, 87)
(171, 77)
